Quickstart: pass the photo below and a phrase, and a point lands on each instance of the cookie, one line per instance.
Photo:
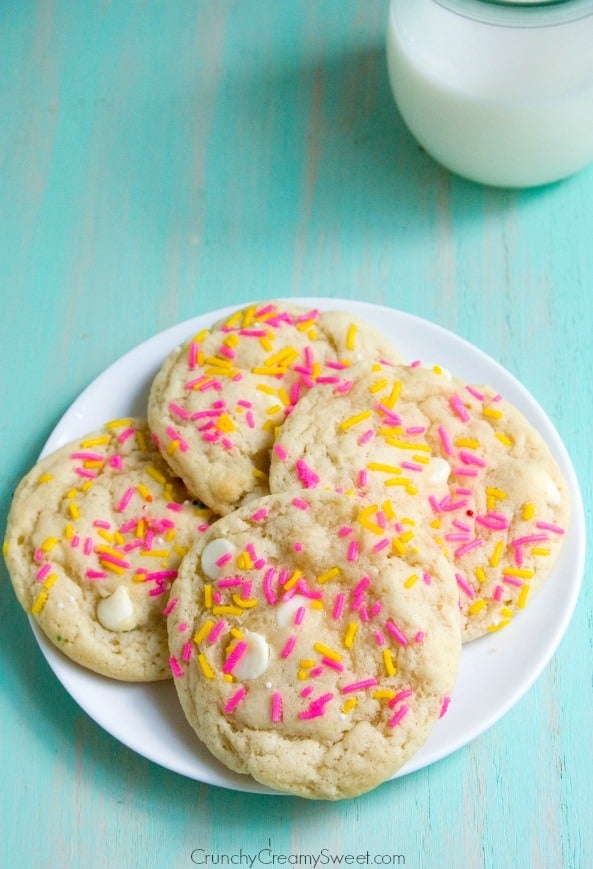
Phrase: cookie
(502, 519)
(217, 400)
(95, 534)
(315, 641)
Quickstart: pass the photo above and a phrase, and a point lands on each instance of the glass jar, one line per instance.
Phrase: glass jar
(499, 92)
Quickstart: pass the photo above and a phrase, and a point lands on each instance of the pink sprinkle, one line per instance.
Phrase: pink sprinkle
(187, 651)
(418, 638)
(267, 585)
(234, 701)
(127, 496)
(259, 514)
(415, 429)
(362, 478)
(361, 586)
(234, 657)
(288, 646)
(379, 638)
(496, 521)
(411, 466)
(298, 547)
(444, 706)
(547, 526)
(300, 504)
(395, 632)
(463, 585)
(192, 355)
(334, 665)
(42, 572)
(344, 531)
(471, 459)
(299, 615)
(445, 440)
(176, 508)
(229, 582)
(84, 472)
(512, 580)
(276, 707)
(338, 606)
(399, 715)
(316, 671)
(170, 606)
(381, 544)
(75, 541)
(179, 411)
(401, 695)
(376, 608)
(473, 544)
(159, 575)
(498, 592)
(364, 438)
(87, 457)
(224, 559)
(364, 614)
(175, 668)
(87, 546)
(362, 685)
(250, 419)
(307, 691)
(353, 550)
(316, 707)
(465, 472)
(216, 631)
(95, 574)
(529, 539)
(280, 452)
(459, 408)
(127, 433)
(306, 475)
(427, 578)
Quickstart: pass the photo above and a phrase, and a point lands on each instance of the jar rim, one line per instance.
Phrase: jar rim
(520, 13)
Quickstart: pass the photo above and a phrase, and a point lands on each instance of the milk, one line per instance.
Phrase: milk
(500, 102)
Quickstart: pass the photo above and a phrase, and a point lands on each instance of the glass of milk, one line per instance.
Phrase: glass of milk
(499, 92)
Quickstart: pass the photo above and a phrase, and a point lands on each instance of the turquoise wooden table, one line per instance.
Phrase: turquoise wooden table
(161, 159)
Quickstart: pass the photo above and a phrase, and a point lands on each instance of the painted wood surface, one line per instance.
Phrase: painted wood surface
(160, 159)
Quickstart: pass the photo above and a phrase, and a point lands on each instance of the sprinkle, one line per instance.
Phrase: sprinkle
(276, 707)
(395, 632)
(306, 475)
(175, 668)
(399, 715)
(464, 585)
(473, 544)
(39, 603)
(350, 704)
(350, 635)
(476, 607)
(411, 580)
(362, 685)
(353, 551)
(498, 593)
(547, 526)
(338, 606)
(288, 646)
(299, 504)
(344, 531)
(459, 408)
(522, 599)
(324, 650)
(170, 606)
(388, 663)
(444, 706)
(354, 420)
(238, 651)
(127, 496)
(234, 701)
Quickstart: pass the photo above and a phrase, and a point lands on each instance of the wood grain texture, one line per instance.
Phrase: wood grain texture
(158, 159)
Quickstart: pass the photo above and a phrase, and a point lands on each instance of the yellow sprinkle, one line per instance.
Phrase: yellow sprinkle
(105, 534)
(39, 603)
(284, 397)
(316, 604)
(437, 369)
(499, 626)
(244, 561)
(383, 694)
(528, 511)
(329, 574)
(519, 572)
(156, 475)
(492, 412)
(68, 532)
(93, 463)
(96, 442)
(269, 390)
(305, 324)
(51, 580)
(45, 478)
(154, 553)
(378, 385)
(228, 677)
(292, 580)
(411, 580)
(180, 550)
(207, 596)
(118, 423)
(225, 423)
(506, 440)
(141, 440)
(476, 606)
(327, 652)
(169, 534)
(206, 668)
(366, 522)
(5, 548)
(468, 443)
(114, 568)
(388, 510)
(226, 610)
(443, 546)
(390, 667)
(271, 371)
(423, 460)
(407, 521)
(539, 550)
(494, 560)
(507, 612)
(236, 633)
(274, 409)
(383, 468)
(86, 486)
(243, 603)
(351, 337)
(350, 635)
(522, 599)
(74, 510)
(204, 631)
(393, 396)
(48, 544)
(350, 704)
(480, 574)
(145, 492)
(307, 663)
(406, 445)
(435, 523)
(267, 342)
(140, 576)
(302, 675)
(260, 474)
(354, 420)
(173, 447)
(72, 493)
(231, 340)
(199, 337)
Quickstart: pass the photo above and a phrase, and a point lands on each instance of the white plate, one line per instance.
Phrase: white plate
(495, 670)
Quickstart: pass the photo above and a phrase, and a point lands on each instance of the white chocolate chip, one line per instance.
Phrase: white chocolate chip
(553, 495)
(116, 612)
(255, 659)
(437, 472)
(214, 551)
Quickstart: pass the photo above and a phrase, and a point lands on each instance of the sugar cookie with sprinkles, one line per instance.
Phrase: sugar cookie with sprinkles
(314, 642)
(95, 535)
(502, 520)
(217, 400)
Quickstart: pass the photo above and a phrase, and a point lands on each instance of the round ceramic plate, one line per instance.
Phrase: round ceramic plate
(495, 670)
